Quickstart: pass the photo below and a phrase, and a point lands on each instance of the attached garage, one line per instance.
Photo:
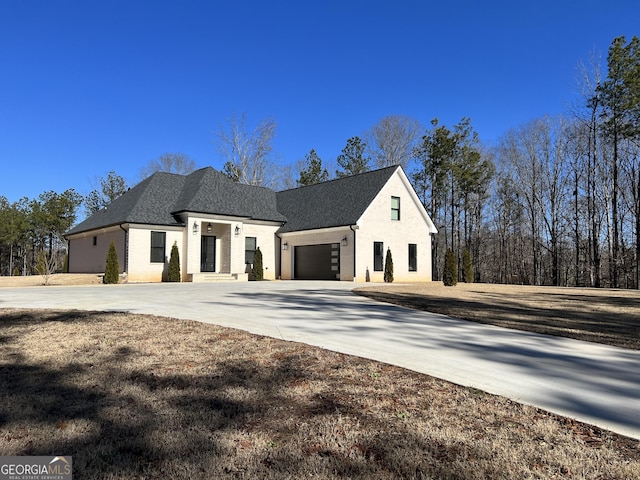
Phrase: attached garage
(317, 262)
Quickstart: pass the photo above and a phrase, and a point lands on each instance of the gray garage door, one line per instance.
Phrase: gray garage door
(317, 262)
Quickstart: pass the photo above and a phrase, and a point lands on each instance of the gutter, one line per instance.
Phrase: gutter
(354, 249)
(126, 248)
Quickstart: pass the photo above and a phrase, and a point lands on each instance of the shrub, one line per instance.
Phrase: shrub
(112, 270)
(258, 272)
(388, 267)
(174, 264)
(450, 275)
(467, 267)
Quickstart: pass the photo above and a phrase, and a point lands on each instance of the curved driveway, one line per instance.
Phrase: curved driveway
(594, 383)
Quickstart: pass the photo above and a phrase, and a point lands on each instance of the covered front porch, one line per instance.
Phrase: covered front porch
(214, 247)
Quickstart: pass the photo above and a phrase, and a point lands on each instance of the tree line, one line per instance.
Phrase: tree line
(32, 230)
(556, 201)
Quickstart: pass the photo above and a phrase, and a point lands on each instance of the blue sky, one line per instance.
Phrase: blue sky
(92, 86)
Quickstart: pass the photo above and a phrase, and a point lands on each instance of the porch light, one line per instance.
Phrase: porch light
(237, 230)
(195, 228)
(209, 227)
(344, 241)
(285, 246)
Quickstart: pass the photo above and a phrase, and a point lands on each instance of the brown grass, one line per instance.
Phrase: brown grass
(605, 316)
(133, 396)
(55, 279)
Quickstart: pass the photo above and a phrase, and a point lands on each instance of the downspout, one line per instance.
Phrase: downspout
(126, 250)
(68, 256)
(354, 250)
(279, 270)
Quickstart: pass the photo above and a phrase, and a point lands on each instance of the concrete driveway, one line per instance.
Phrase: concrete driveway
(593, 383)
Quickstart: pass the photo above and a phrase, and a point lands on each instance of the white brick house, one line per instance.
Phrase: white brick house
(336, 230)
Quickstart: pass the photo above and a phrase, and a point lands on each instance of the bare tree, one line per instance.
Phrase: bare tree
(587, 165)
(248, 155)
(392, 140)
(169, 162)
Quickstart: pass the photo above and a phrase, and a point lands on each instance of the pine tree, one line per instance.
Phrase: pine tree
(467, 267)
(174, 264)
(450, 275)
(352, 160)
(258, 272)
(313, 172)
(388, 267)
(111, 271)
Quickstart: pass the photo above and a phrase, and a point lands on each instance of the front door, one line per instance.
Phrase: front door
(208, 254)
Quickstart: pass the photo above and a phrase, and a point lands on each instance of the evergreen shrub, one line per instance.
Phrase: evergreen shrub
(174, 264)
(450, 274)
(111, 271)
(388, 267)
(258, 272)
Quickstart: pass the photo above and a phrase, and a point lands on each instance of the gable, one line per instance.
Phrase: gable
(335, 203)
(410, 206)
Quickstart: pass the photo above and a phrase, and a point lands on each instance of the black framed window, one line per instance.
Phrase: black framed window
(413, 257)
(158, 242)
(395, 208)
(249, 249)
(378, 256)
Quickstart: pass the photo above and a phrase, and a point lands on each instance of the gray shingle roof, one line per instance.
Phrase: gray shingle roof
(334, 203)
(158, 199)
(209, 191)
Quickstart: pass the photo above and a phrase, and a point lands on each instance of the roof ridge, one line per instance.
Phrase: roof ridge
(368, 172)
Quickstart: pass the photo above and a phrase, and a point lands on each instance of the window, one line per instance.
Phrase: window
(158, 240)
(249, 249)
(395, 208)
(95, 241)
(378, 254)
(413, 257)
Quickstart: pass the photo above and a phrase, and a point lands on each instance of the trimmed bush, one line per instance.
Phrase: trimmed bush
(467, 267)
(450, 274)
(111, 271)
(174, 265)
(388, 267)
(258, 272)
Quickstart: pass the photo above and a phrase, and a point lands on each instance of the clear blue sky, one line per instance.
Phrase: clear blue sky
(92, 86)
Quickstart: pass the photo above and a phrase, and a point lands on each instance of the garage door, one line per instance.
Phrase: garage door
(317, 262)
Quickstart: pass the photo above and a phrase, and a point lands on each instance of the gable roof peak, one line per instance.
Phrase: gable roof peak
(335, 203)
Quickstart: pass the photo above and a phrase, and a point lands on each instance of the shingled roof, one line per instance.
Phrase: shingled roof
(158, 199)
(334, 203)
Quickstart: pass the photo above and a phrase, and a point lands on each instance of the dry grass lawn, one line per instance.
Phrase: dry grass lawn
(596, 315)
(133, 396)
(56, 279)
